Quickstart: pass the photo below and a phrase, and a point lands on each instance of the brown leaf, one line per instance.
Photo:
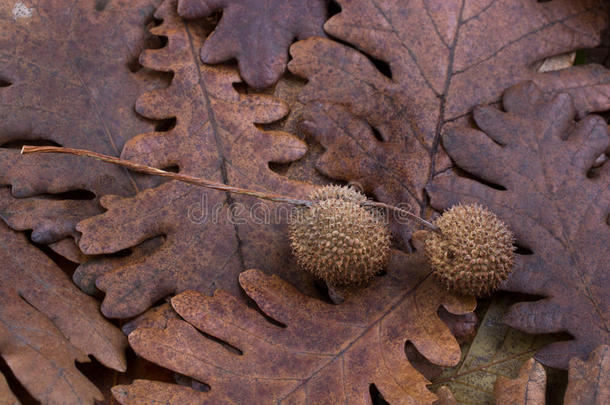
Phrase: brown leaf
(257, 33)
(538, 157)
(588, 381)
(463, 327)
(137, 368)
(600, 54)
(68, 249)
(209, 236)
(497, 350)
(287, 89)
(46, 324)
(312, 351)
(527, 389)
(88, 272)
(69, 77)
(156, 317)
(445, 397)
(379, 110)
(6, 396)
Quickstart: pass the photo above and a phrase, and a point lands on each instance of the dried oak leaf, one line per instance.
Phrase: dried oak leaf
(66, 78)
(257, 33)
(6, 396)
(209, 236)
(445, 397)
(46, 324)
(379, 110)
(587, 382)
(312, 351)
(527, 389)
(497, 350)
(600, 54)
(536, 157)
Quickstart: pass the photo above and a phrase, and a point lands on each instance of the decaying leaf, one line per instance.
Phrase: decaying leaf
(67, 76)
(209, 236)
(538, 158)
(445, 397)
(257, 33)
(287, 89)
(46, 324)
(156, 317)
(88, 272)
(68, 249)
(497, 350)
(138, 368)
(600, 54)
(527, 389)
(6, 396)
(587, 382)
(380, 121)
(312, 352)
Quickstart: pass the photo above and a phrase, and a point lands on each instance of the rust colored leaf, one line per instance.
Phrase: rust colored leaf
(497, 350)
(68, 249)
(257, 33)
(379, 109)
(600, 54)
(445, 397)
(209, 237)
(138, 368)
(539, 158)
(156, 317)
(527, 389)
(68, 74)
(87, 273)
(287, 89)
(588, 381)
(312, 352)
(6, 396)
(46, 324)
(463, 327)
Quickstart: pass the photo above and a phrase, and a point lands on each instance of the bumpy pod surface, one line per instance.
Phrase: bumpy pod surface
(475, 252)
(338, 239)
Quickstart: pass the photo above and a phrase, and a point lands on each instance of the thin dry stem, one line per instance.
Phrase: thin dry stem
(404, 212)
(136, 167)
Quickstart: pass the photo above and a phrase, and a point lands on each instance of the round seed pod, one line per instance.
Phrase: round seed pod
(338, 239)
(474, 252)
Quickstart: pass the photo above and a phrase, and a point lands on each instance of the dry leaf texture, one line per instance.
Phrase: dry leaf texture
(497, 350)
(209, 236)
(600, 54)
(588, 381)
(6, 396)
(379, 109)
(538, 158)
(65, 79)
(445, 397)
(257, 33)
(527, 389)
(313, 352)
(46, 324)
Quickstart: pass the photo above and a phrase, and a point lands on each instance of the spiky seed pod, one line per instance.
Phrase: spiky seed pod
(338, 239)
(474, 252)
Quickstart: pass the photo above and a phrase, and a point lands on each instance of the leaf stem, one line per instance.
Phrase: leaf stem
(409, 214)
(197, 181)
